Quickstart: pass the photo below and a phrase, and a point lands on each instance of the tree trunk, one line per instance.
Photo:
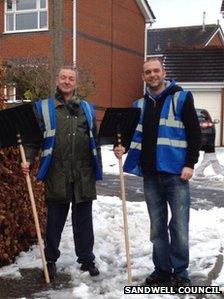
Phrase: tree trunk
(56, 32)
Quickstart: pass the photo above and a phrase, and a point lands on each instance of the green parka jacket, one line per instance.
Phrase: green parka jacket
(71, 168)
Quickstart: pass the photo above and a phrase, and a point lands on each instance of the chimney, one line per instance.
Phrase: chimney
(168, 45)
(203, 25)
(158, 48)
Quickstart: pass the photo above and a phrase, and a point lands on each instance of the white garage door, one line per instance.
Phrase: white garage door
(211, 101)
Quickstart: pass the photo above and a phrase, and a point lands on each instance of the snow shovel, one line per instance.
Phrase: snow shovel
(16, 122)
(115, 122)
(36, 220)
(124, 207)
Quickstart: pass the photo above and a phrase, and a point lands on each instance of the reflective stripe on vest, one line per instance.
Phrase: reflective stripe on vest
(49, 132)
(47, 152)
(139, 128)
(136, 141)
(46, 115)
(45, 109)
(171, 142)
(131, 164)
(136, 145)
(171, 121)
(175, 98)
(171, 118)
(89, 114)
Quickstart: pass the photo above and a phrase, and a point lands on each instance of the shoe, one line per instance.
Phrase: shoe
(154, 280)
(52, 270)
(90, 266)
(178, 281)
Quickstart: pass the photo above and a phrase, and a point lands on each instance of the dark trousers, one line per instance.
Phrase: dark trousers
(82, 230)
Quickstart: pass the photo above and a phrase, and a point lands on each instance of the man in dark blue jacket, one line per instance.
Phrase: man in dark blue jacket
(164, 149)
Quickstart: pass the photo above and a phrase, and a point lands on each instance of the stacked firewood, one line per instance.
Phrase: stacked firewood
(17, 229)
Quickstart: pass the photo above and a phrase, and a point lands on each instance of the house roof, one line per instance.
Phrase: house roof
(159, 40)
(146, 11)
(198, 65)
(222, 7)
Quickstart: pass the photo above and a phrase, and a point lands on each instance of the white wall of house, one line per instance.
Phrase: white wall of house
(210, 101)
(208, 96)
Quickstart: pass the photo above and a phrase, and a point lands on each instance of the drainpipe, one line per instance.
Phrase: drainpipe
(147, 25)
(222, 117)
(74, 34)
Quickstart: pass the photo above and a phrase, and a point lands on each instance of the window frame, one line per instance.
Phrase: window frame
(10, 94)
(15, 12)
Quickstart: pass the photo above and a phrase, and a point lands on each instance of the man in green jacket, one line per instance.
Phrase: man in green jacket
(69, 166)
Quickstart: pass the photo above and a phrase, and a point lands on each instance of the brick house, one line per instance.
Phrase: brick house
(106, 36)
(186, 37)
(194, 57)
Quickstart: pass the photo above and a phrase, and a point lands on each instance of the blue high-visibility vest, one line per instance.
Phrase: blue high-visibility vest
(46, 110)
(171, 139)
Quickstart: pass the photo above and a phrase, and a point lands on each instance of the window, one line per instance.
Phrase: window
(10, 93)
(26, 15)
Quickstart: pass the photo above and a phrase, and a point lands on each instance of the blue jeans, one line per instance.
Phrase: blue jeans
(170, 240)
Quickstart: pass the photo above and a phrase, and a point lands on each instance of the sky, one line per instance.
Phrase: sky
(172, 13)
(206, 238)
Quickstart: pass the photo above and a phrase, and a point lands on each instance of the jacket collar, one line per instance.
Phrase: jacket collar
(169, 86)
(59, 101)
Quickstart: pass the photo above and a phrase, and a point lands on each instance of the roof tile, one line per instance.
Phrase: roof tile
(204, 65)
(162, 39)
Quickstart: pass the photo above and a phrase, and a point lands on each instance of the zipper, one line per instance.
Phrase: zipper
(153, 100)
(72, 133)
(74, 123)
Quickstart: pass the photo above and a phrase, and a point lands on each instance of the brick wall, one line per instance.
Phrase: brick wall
(110, 42)
(216, 42)
(22, 45)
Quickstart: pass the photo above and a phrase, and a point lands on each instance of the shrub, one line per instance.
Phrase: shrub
(17, 229)
(30, 76)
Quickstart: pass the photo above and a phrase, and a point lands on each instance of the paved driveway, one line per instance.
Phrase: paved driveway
(205, 193)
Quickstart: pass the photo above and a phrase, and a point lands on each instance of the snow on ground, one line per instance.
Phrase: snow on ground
(109, 161)
(211, 165)
(206, 238)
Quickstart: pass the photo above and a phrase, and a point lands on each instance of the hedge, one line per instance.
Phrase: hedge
(17, 229)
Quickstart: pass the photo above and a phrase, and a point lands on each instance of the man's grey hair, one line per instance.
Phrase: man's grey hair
(70, 67)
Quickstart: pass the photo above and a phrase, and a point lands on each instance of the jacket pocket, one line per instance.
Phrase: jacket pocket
(88, 183)
(55, 186)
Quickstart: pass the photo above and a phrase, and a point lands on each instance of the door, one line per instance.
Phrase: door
(211, 101)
